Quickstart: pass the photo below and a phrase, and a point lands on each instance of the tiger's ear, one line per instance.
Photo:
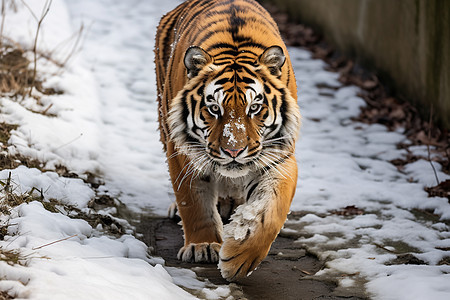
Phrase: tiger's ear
(274, 58)
(195, 59)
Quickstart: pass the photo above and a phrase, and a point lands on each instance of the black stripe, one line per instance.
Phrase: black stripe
(248, 62)
(288, 76)
(283, 109)
(221, 45)
(223, 81)
(252, 265)
(208, 251)
(230, 52)
(241, 38)
(246, 59)
(247, 80)
(219, 57)
(250, 191)
(230, 258)
(247, 235)
(188, 22)
(253, 44)
(225, 59)
(185, 113)
(231, 207)
(193, 253)
(214, 152)
(223, 63)
(200, 90)
(250, 150)
(237, 272)
(274, 108)
(206, 37)
(252, 154)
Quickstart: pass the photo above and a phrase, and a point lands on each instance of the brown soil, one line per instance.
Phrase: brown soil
(284, 274)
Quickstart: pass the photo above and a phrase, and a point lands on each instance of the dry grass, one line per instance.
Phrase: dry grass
(5, 132)
(8, 161)
(17, 75)
(9, 197)
(4, 296)
(17, 78)
(12, 257)
(14, 73)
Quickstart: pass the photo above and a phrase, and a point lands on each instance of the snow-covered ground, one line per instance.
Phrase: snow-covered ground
(106, 123)
(344, 164)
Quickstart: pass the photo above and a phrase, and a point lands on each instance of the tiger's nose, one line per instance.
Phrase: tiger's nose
(233, 152)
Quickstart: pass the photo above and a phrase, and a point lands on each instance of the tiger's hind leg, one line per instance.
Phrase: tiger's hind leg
(255, 224)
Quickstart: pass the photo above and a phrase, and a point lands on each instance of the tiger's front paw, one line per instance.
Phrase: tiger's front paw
(239, 259)
(200, 252)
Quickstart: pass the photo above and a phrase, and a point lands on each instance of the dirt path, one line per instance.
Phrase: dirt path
(284, 274)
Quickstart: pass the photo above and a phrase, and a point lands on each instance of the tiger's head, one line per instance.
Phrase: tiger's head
(234, 114)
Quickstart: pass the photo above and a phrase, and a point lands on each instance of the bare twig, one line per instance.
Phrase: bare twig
(71, 141)
(428, 146)
(79, 35)
(12, 5)
(384, 248)
(3, 22)
(30, 10)
(8, 184)
(44, 112)
(58, 241)
(305, 272)
(75, 39)
(45, 11)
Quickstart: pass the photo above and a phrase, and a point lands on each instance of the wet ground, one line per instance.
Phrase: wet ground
(286, 273)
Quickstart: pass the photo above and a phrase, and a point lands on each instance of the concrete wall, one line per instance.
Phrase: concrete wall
(407, 41)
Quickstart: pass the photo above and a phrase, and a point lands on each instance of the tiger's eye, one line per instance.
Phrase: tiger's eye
(255, 107)
(214, 109)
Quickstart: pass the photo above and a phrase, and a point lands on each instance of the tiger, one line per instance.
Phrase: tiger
(228, 121)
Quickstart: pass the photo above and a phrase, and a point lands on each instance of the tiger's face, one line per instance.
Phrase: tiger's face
(234, 115)
(233, 118)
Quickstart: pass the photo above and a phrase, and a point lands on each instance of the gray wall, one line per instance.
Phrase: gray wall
(407, 40)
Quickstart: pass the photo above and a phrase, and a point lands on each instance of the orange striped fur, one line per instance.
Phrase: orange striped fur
(229, 120)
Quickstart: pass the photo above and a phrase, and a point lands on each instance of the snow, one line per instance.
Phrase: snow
(344, 163)
(105, 123)
(119, 49)
(227, 132)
